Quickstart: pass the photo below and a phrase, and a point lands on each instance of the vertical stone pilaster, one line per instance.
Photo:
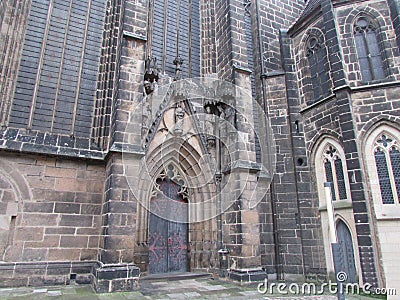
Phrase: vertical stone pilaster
(357, 187)
(119, 215)
(349, 140)
(120, 130)
(394, 7)
(306, 216)
(332, 43)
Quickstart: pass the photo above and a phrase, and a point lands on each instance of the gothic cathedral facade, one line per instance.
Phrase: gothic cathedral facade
(147, 137)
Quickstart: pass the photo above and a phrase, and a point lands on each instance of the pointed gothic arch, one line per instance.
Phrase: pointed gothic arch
(330, 165)
(382, 160)
(176, 157)
(379, 143)
(328, 151)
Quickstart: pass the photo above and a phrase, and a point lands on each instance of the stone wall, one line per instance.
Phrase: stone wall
(61, 219)
(352, 108)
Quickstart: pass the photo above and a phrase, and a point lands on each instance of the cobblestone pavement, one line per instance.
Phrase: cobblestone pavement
(159, 290)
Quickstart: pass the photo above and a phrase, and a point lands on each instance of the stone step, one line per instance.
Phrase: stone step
(175, 276)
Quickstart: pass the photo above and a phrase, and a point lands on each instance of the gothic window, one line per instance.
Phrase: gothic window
(176, 33)
(316, 55)
(387, 162)
(334, 172)
(56, 83)
(367, 44)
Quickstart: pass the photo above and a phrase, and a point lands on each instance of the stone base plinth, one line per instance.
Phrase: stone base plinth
(42, 273)
(247, 275)
(115, 278)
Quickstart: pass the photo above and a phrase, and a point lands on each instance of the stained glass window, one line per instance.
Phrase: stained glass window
(334, 172)
(369, 55)
(340, 179)
(395, 161)
(329, 177)
(387, 161)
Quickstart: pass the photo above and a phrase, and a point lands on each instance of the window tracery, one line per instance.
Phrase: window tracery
(367, 45)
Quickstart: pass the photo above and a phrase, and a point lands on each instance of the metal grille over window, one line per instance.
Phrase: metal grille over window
(369, 54)
(334, 172)
(387, 161)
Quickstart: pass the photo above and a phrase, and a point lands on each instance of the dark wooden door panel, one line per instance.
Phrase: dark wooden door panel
(347, 251)
(168, 239)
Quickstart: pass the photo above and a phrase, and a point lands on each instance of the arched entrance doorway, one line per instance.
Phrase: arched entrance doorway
(346, 251)
(168, 229)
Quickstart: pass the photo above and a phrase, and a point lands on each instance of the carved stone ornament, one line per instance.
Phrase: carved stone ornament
(150, 75)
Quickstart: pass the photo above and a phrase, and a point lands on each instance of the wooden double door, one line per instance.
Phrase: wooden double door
(168, 230)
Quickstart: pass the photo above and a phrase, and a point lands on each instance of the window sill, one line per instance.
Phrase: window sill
(375, 83)
(338, 205)
(387, 212)
(318, 102)
(387, 218)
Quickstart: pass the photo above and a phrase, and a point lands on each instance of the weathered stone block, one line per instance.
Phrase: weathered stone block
(47, 280)
(247, 276)
(76, 220)
(6, 282)
(63, 254)
(73, 241)
(31, 254)
(33, 219)
(118, 277)
(60, 172)
(68, 208)
(38, 207)
(68, 184)
(89, 254)
(29, 233)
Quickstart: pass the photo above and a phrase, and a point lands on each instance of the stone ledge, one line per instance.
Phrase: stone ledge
(33, 141)
(133, 35)
(103, 277)
(126, 148)
(248, 275)
(17, 274)
(115, 278)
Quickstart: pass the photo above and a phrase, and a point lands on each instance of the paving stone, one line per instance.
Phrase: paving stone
(192, 294)
(176, 296)
(40, 291)
(199, 289)
(215, 287)
(249, 293)
(54, 293)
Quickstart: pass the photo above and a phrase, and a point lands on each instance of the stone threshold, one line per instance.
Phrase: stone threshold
(175, 276)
